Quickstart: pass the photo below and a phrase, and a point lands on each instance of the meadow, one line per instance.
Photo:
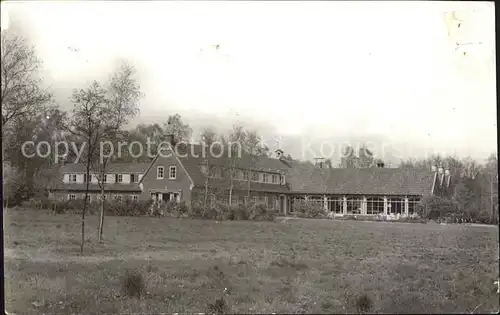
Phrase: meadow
(291, 266)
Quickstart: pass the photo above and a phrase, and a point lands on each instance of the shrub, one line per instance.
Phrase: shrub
(309, 210)
(219, 307)
(133, 284)
(364, 303)
(436, 207)
(126, 207)
(261, 213)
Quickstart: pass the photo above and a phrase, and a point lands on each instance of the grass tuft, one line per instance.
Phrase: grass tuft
(133, 284)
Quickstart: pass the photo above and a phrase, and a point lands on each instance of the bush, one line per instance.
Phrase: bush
(126, 207)
(435, 207)
(133, 284)
(303, 209)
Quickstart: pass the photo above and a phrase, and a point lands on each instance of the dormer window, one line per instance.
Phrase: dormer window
(282, 179)
(72, 178)
(265, 177)
(134, 178)
(118, 178)
(160, 172)
(275, 179)
(172, 172)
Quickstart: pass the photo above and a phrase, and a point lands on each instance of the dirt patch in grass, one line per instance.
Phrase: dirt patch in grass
(303, 266)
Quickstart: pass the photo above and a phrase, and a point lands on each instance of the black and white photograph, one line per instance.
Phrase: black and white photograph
(249, 157)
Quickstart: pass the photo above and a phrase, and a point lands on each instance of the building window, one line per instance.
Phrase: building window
(353, 205)
(316, 201)
(104, 178)
(134, 178)
(276, 204)
(204, 169)
(275, 179)
(84, 178)
(245, 175)
(72, 197)
(135, 197)
(412, 205)
(172, 172)
(395, 205)
(335, 205)
(282, 179)
(118, 178)
(296, 201)
(217, 172)
(72, 178)
(118, 198)
(265, 177)
(159, 172)
(374, 205)
(104, 197)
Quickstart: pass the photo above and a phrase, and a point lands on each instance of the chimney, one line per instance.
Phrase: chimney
(279, 154)
(319, 162)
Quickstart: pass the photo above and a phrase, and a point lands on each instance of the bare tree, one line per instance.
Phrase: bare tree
(86, 123)
(176, 127)
(236, 139)
(253, 149)
(122, 103)
(208, 136)
(21, 92)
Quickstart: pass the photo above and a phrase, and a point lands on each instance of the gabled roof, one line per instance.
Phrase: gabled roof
(193, 156)
(306, 178)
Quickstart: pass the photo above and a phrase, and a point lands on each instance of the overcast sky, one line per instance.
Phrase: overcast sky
(387, 70)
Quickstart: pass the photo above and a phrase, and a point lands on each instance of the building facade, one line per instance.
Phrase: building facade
(190, 173)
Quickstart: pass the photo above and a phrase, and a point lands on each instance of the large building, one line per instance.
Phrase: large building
(190, 172)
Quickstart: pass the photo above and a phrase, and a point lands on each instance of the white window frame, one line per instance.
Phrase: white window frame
(72, 178)
(245, 175)
(265, 177)
(275, 203)
(282, 179)
(158, 172)
(274, 179)
(119, 178)
(105, 178)
(135, 197)
(71, 196)
(170, 169)
(412, 205)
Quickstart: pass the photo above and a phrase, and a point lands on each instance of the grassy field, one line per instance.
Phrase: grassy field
(297, 266)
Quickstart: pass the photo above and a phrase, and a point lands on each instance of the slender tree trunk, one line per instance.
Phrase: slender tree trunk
(101, 219)
(85, 205)
(492, 205)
